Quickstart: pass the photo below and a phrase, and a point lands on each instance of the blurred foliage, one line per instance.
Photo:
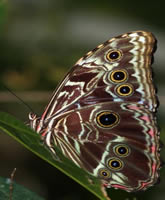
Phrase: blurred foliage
(3, 13)
(18, 192)
(40, 40)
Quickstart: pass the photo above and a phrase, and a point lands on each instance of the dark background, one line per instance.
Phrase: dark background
(39, 41)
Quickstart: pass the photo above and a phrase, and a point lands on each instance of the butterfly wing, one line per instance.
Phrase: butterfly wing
(90, 80)
(122, 151)
(106, 104)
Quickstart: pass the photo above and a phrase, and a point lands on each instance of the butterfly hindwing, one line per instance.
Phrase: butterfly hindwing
(94, 143)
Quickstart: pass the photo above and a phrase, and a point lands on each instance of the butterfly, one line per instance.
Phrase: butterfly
(103, 114)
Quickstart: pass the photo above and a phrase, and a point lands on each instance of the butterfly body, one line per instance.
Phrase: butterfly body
(102, 116)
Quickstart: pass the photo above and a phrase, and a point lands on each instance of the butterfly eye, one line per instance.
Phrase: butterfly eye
(104, 173)
(124, 90)
(122, 150)
(115, 164)
(113, 55)
(107, 119)
(118, 76)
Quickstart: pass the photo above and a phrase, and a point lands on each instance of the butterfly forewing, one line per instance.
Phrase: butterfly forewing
(102, 116)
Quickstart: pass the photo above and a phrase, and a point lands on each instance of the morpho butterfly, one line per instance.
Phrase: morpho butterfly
(102, 115)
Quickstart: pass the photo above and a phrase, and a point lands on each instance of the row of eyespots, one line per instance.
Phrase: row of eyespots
(114, 164)
(119, 76)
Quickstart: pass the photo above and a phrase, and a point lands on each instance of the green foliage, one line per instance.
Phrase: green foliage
(32, 141)
(18, 192)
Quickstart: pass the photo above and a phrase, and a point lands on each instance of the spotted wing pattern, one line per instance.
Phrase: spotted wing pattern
(102, 116)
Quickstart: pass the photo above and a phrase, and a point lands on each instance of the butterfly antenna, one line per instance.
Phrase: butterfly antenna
(22, 101)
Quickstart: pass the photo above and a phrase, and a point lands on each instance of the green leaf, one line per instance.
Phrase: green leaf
(18, 192)
(32, 141)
